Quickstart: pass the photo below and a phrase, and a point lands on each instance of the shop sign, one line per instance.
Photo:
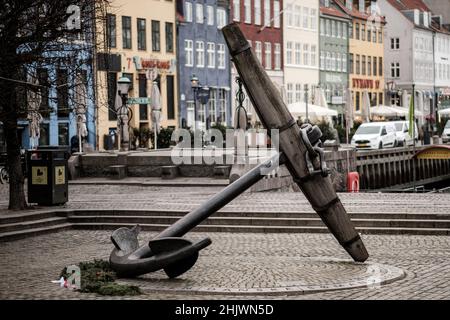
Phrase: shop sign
(147, 64)
(366, 84)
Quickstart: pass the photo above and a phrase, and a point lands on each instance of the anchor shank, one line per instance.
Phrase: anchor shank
(218, 201)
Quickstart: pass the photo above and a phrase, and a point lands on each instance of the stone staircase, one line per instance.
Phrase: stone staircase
(41, 222)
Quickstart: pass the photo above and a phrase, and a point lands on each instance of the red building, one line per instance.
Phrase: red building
(262, 24)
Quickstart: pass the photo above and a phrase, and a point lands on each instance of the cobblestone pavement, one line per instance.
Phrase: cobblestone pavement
(27, 266)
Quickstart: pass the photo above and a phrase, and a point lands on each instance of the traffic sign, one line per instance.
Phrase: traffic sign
(138, 101)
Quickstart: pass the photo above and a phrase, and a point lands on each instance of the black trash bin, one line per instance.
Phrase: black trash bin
(48, 176)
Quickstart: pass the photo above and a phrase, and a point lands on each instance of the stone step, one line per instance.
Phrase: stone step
(16, 235)
(262, 214)
(245, 221)
(33, 224)
(29, 216)
(265, 229)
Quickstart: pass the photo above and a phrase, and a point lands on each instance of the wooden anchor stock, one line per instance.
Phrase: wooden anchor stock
(274, 114)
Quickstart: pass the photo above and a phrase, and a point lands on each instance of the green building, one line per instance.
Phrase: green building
(334, 55)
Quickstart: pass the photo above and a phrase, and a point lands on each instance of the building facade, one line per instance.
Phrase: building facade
(366, 51)
(442, 63)
(261, 21)
(334, 53)
(140, 44)
(301, 48)
(203, 54)
(410, 54)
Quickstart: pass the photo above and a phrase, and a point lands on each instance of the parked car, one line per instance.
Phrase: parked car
(375, 135)
(402, 132)
(446, 132)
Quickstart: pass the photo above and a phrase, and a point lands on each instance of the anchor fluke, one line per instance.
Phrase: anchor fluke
(183, 252)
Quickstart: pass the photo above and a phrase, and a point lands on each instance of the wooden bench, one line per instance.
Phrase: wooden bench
(169, 172)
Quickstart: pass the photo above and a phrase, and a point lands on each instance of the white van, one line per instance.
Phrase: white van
(446, 132)
(402, 132)
(375, 135)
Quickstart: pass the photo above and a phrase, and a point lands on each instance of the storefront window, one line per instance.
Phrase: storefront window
(44, 138)
(63, 134)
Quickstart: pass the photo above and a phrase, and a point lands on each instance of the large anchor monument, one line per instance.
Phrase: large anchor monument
(301, 152)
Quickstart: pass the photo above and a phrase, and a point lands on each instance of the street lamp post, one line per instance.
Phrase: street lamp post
(306, 102)
(123, 86)
(195, 84)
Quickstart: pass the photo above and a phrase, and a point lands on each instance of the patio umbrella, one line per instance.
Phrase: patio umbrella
(34, 117)
(444, 112)
(405, 99)
(298, 109)
(384, 111)
(156, 111)
(349, 109)
(80, 108)
(365, 110)
(320, 98)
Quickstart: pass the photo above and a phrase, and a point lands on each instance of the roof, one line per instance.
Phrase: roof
(355, 13)
(331, 11)
(409, 5)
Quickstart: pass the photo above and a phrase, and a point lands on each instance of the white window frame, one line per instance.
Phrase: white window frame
(289, 13)
(221, 18)
(188, 13)
(210, 15)
(247, 11)
(297, 16)
(305, 18)
(313, 58)
(257, 10)
(189, 53)
(344, 62)
(211, 54)
(298, 54)
(306, 57)
(277, 56)
(289, 93)
(221, 56)
(322, 60)
(199, 14)
(268, 55)
(289, 50)
(258, 50)
(313, 18)
(236, 10)
(276, 14)
(200, 53)
(267, 13)
(298, 92)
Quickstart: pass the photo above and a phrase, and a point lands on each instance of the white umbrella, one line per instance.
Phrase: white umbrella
(156, 111)
(320, 98)
(34, 117)
(80, 108)
(444, 112)
(405, 100)
(384, 111)
(349, 112)
(298, 109)
(365, 110)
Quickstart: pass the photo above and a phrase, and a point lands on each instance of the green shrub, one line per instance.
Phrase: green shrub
(328, 133)
(98, 277)
(164, 138)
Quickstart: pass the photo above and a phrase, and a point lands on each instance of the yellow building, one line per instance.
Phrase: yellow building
(366, 51)
(138, 40)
